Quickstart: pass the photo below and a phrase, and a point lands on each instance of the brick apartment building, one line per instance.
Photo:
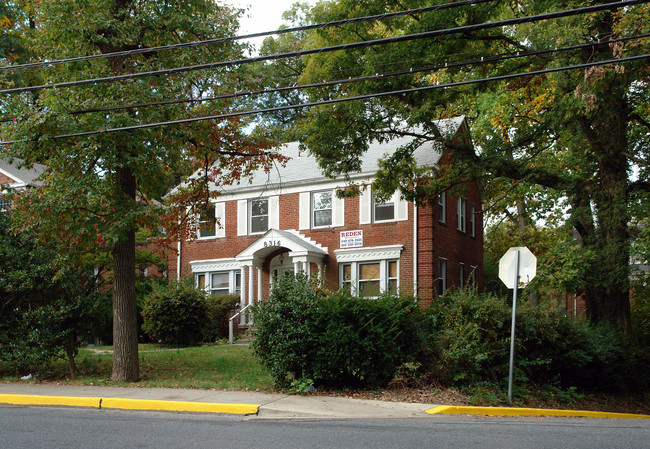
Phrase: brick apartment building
(291, 219)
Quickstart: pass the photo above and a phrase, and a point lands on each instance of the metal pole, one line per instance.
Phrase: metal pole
(512, 331)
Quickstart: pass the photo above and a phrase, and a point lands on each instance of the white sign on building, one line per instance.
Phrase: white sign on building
(351, 239)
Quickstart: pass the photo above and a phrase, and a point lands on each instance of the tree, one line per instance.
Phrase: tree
(574, 133)
(44, 313)
(99, 189)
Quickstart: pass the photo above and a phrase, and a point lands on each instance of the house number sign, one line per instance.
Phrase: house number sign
(269, 243)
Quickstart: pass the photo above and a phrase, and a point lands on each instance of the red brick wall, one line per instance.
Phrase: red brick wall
(435, 240)
(4, 179)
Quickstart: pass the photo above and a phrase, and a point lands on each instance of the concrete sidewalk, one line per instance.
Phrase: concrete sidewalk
(254, 404)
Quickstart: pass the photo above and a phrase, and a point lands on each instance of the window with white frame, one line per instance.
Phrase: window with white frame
(472, 220)
(321, 208)
(442, 276)
(370, 279)
(472, 276)
(461, 275)
(220, 283)
(461, 213)
(384, 211)
(259, 215)
(442, 207)
(207, 222)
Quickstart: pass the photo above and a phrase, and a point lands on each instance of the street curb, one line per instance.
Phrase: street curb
(513, 411)
(130, 404)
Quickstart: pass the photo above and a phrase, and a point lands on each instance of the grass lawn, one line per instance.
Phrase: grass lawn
(225, 367)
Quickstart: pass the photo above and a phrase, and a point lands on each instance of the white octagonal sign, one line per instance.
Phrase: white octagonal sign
(508, 266)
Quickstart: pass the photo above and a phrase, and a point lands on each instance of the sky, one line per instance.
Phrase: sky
(262, 15)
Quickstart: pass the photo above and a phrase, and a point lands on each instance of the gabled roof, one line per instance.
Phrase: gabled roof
(23, 177)
(294, 242)
(303, 168)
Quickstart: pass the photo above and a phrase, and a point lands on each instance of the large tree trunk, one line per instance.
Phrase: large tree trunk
(125, 324)
(608, 297)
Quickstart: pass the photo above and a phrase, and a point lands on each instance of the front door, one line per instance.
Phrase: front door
(280, 265)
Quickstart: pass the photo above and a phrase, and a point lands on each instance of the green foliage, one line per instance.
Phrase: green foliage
(334, 338)
(175, 314)
(468, 343)
(44, 313)
(218, 311)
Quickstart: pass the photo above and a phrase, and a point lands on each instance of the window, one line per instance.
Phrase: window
(321, 206)
(461, 212)
(442, 207)
(259, 215)
(442, 276)
(370, 279)
(472, 277)
(384, 211)
(220, 283)
(207, 222)
(461, 275)
(472, 220)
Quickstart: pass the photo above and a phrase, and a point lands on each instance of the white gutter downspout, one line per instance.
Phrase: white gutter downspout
(178, 261)
(415, 249)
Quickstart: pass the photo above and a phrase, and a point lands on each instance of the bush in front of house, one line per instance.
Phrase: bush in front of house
(467, 341)
(175, 314)
(218, 311)
(333, 338)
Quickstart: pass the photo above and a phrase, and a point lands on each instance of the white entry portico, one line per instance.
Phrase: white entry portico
(290, 247)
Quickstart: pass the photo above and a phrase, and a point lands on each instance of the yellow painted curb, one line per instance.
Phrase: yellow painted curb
(512, 411)
(178, 406)
(28, 399)
(130, 404)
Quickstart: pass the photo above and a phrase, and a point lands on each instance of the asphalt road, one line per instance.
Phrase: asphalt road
(34, 427)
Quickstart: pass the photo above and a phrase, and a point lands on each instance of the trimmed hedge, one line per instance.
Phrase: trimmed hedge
(175, 314)
(333, 338)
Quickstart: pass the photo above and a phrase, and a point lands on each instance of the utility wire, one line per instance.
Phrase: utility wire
(249, 36)
(355, 45)
(344, 99)
(432, 68)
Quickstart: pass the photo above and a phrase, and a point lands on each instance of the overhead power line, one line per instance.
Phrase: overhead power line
(344, 99)
(248, 36)
(350, 46)
(379, 76)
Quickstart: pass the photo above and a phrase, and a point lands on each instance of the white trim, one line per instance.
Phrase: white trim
(401, 208)
(289, 187)
(416, 250)
(220, 219)
(274, 212)
(242, 217)
(304, 210)
(338, 210)
(365, 206)
(204, 266)
(368, 254)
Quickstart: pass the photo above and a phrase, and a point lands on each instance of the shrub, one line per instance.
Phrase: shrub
(467, 337)
(218, 310)
(332, 338)
(285, 328)
(175, 314)
(468, 341)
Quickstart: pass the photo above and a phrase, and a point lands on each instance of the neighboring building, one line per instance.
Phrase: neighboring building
(14, 176)
(291, 219)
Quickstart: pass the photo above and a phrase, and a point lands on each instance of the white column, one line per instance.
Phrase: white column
(244, 317)
(242, 287)
(320, 273)
(259, 283)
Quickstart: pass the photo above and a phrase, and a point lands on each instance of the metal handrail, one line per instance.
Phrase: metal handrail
(231, 329)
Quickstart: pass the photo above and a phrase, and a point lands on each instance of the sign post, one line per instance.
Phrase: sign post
(517, 268)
